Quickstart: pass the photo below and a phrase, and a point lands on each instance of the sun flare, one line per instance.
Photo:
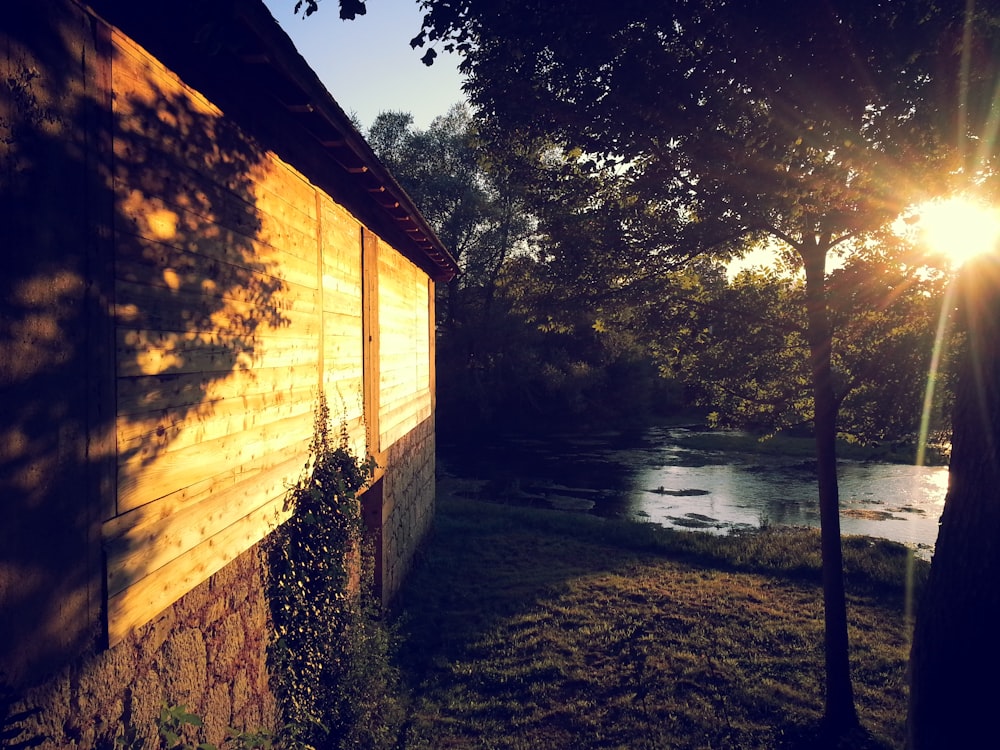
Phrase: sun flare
(960, 228)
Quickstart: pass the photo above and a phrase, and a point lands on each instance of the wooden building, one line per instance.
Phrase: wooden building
(197, 243)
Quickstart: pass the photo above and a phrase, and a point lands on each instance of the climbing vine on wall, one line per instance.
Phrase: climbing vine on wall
(332, 651)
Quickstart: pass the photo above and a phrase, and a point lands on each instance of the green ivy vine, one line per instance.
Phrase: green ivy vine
(332, 653)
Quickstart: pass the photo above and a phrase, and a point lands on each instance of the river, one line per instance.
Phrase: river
(651, 476)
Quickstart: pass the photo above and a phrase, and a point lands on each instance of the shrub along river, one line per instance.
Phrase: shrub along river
(657, 476)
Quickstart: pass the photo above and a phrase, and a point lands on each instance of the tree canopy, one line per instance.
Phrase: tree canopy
(733, 119)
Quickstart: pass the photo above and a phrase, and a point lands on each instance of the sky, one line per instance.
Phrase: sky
(367, 64)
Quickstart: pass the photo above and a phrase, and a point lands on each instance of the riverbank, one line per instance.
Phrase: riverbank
(805, 447)
(537, 629)
(688, 477)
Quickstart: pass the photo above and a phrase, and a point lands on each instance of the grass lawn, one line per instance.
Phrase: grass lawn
(538, 629)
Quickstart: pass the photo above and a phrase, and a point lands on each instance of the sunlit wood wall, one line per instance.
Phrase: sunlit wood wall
(239, 295)
(404, 329)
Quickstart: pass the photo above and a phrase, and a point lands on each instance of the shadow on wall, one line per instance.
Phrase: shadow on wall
(131, 248)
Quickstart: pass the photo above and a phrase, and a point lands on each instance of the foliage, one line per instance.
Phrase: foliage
(885, 319)
(349, 9)
(178, 729)
(543, 358)
(336, 685)
(741, 349)
(474, 206)
(527, 335)
(438, 168)
(174, 724)
(540, 337)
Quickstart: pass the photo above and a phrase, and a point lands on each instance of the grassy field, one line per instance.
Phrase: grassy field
(538, 629)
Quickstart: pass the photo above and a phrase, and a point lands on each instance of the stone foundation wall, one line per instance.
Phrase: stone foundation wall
(208, 652)
(407, 503)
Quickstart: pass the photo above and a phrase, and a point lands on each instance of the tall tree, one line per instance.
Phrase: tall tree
(748, 357)
(737, 123)
(955, 657)
(474, 207)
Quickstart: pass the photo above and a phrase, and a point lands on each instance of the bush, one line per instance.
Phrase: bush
(332, 652)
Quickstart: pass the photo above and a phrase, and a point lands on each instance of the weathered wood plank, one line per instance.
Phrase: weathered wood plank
(142, 84)
(154, 393)
(241, 240)
(141, 306)
(155, 113)
(206, 218)
(146, 598)
(157, 184)
(345, 371)
(340, 239)
(394, 422)
(398, 373)
(199, 491)
(149, 473)
(399, 397)
(341, 323)
(286, 195)
(256, 245)
(177, 428)
(217, 437)
(159, 352)
(371, 251)
(267, 284)
(154, 541)
(236, 413)
(146, 261)
(133, 63)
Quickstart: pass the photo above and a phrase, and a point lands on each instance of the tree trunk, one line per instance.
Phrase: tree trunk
(839, 715)
(955, 658)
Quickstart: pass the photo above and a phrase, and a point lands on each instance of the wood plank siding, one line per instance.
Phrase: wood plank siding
(404, 299)
(238, 297)
(198, 245)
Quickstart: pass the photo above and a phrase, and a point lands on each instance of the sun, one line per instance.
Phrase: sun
(959, 228)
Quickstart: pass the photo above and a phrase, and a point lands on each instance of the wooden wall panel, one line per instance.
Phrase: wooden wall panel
(218, 324)
(239, 296)
(404, 347)
(343, 336)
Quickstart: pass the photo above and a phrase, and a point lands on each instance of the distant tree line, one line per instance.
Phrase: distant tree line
(561, 319)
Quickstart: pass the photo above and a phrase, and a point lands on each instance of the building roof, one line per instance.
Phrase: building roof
(238, 56)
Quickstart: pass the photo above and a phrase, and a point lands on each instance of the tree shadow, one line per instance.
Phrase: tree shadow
(491, 615)
(818, 736)
(137, 281)
(16, 732)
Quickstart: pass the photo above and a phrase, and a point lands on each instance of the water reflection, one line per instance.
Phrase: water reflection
(651, 476)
